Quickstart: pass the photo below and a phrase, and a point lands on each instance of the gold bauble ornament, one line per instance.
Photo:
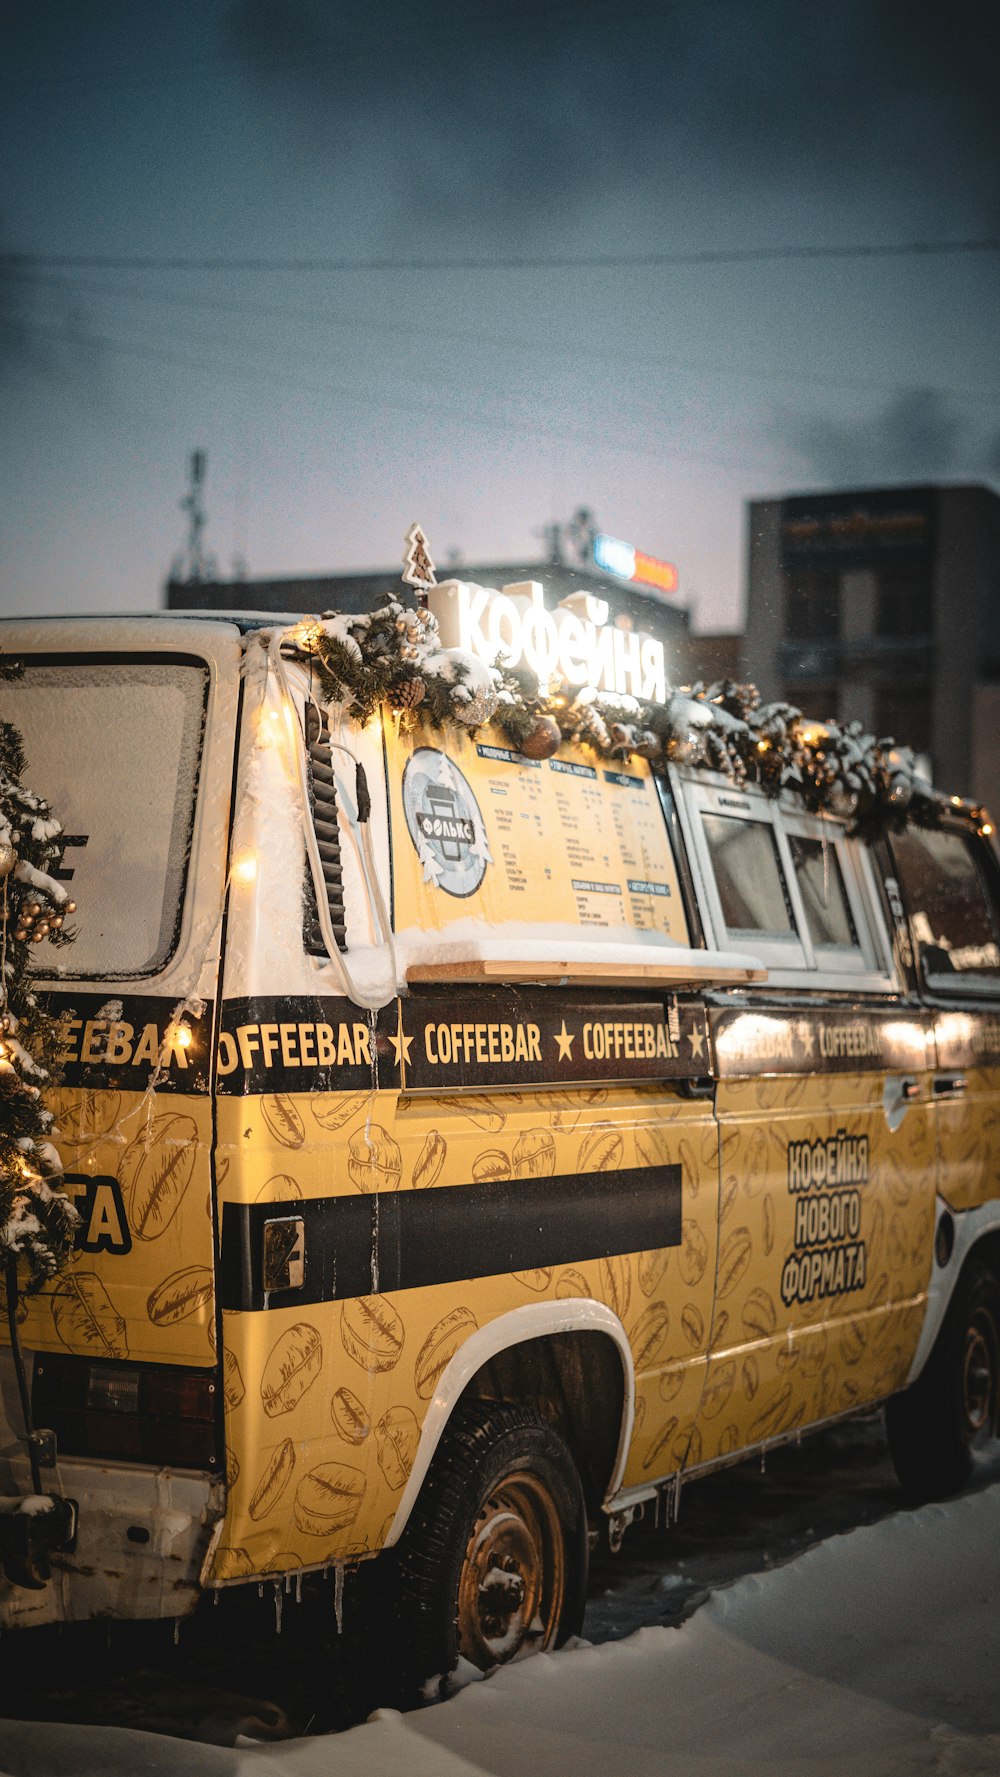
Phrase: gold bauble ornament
(8, 858)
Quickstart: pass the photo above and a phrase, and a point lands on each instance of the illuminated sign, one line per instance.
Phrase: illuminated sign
(572, 644)
(627, 563)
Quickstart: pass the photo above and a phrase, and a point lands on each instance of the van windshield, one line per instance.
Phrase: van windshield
(114, 746)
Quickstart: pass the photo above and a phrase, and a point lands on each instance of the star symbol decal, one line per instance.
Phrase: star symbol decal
(807, 1038)
(565, 1042)
(401, 1043)
(696, 1038)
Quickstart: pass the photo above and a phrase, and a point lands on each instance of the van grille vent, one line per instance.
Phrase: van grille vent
(323, 801)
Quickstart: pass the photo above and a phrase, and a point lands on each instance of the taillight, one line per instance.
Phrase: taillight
(128, 1412)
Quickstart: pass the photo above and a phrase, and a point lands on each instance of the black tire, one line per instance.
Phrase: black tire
(493, 1562)
(950, 1419)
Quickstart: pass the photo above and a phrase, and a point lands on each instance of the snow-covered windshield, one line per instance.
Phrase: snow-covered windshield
(114, 747)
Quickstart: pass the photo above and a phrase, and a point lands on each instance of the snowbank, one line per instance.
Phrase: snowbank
(876, 1653)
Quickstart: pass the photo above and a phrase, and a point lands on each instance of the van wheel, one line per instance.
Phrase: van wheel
(949, 1419)
(492, 1565)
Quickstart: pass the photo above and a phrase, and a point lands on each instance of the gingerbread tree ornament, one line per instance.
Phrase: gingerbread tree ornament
(418, 568)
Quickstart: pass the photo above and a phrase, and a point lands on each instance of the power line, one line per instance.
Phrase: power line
(525, 262)
(541, 347)
(416, 405)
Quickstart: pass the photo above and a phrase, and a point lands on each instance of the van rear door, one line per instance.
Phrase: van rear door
(129, 727)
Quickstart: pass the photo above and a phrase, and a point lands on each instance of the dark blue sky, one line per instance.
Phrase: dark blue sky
(337, 407)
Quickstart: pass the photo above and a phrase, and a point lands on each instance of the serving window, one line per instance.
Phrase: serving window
(786, 885)
(751, 883)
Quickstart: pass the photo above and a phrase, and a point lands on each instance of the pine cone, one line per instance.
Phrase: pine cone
(409, 693)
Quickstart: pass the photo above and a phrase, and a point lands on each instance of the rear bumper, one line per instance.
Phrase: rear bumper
(141, 1539)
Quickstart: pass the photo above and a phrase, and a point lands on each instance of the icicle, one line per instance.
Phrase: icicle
(373, 1051)
(677, 1497)
(338, 1596)
(177, 1631)
(260, 1588)
(277, 1607)
(216, 1595)
(298, 1587)
(375, 1229)
(763, 1462)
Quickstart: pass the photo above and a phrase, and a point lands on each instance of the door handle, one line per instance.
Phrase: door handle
(950, 1086)
(703, 1086)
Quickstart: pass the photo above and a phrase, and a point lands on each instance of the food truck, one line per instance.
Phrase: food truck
(474, 1141)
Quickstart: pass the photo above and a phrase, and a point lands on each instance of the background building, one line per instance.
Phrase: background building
(883, 605)
(642, 595)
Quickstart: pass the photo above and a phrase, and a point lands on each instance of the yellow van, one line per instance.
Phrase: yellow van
(474, 1141)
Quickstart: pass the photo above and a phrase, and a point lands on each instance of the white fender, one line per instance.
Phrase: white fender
(970, 1226)
(533, 1321)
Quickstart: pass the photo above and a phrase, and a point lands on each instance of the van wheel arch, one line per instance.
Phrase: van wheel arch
(576, 1382)
(949, 1418)
(571, 1361)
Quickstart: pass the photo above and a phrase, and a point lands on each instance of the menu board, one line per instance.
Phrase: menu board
(481, 832)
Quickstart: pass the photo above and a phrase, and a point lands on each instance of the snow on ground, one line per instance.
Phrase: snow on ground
(875, 1653)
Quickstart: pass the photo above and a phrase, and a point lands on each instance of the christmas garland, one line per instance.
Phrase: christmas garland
(394, 656)
(37, 1223)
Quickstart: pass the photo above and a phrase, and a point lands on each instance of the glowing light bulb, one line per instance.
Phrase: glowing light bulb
(245, 868)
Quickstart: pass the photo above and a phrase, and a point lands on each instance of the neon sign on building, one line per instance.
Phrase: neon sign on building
(627, 563)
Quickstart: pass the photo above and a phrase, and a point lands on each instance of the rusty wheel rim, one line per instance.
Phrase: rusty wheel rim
(979, 1391)
(513, 1579)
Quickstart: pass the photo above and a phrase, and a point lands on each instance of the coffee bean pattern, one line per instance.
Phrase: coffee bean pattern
(274, 1479)
(430, 1161)
(652, 1268)
(650, 1335)
(283, 1119)
(350, 1415)
(757, 1213)
(374, 1160)
(155, 1172)
(293, 1365)
(734, 1259)
(332, 1110)
(328, 1498)
(232, 1380)
(371, 1333)
(537, 1279)
(154, 1303)
(693, 1256)
(384, 1358)
(187, 1293)
(397, 1435)
(572, 1283)
(435, 1354)
(279, 1188)
(601, 1150)
(492, 1166)
(970, 1140)
(534, 1154)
